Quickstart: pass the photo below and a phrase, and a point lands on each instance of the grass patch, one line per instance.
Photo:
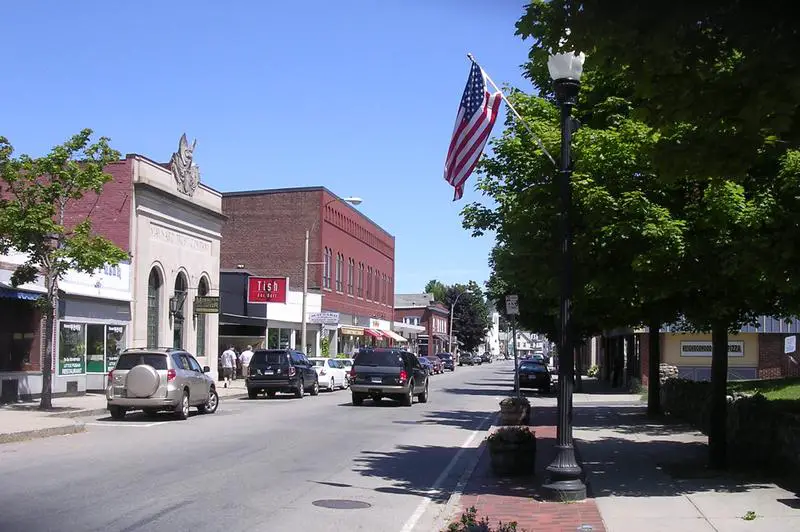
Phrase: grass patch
(772, 389)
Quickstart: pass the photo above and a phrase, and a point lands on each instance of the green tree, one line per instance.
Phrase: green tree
(717, 82)
(35, 194)
(437, 288)
(471, 317)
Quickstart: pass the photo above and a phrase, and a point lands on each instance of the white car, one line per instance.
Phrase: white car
(331, 373)
(347, 363)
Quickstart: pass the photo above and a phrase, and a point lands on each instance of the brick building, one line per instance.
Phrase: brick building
(351, 258)
(421, 309)
(170, 224)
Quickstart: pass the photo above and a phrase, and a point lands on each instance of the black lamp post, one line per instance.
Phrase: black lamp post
(565, 483)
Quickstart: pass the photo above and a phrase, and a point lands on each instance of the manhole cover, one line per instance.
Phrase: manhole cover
(341, 504)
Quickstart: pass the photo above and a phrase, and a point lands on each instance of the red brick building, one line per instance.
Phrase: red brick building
(421, 309)
(351, 257)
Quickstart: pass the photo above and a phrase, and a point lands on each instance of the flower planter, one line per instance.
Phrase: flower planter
(515, 411)
(512, 456)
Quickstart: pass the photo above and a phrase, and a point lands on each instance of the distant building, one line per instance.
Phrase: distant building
(422, 310)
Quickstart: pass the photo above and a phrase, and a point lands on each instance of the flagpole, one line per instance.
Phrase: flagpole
(513, 110)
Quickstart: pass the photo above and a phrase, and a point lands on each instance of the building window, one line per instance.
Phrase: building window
(376, 288)
(351, 273)
(360, 279)
(154, 285)
(339, 261)
(369, 282)
(326, 273)
(202, 290)
(178, 310)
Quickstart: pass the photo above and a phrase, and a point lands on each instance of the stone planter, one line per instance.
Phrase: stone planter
(515, 412)
(512, 453)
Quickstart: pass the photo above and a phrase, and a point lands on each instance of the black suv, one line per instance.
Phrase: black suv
(280, 370)
(388, 372)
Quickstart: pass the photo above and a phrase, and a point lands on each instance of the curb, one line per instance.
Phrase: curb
(451, 507)
(42, 433)
(101, 411)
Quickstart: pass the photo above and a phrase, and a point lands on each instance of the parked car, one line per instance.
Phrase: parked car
(347, 363)
(436, 362)
(157, 379)
(534, 375)
(330, 373)
(426, 364)
(281, 370)
(466, 360)
(387, 372)
(448, 361)
(476, 359)
(486, 357)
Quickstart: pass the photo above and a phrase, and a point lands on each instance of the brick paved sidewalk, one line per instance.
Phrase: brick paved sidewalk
(518, 499)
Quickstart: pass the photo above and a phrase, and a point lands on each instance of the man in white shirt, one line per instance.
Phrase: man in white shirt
(244, 358)
(228, 364)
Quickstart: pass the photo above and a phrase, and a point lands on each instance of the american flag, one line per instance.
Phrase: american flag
(476, 116)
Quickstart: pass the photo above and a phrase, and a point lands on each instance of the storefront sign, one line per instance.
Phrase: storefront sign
(350, 331)
(206, 305)
(115, 343)
(703, 349)
(267, 289)
(323, 317)
(72, 349)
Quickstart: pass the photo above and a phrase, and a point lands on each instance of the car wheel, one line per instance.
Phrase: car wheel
(270, 393)
(182, 410)
(117, 412)
(423, 397)
(358, 399)
(408, 398)
(211, 403)
(332, 385)
(300, 392)
(252, 393)
(315, 388)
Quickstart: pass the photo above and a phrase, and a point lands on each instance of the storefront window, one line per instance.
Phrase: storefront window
(178, 311)
(285, 336)
(272, 339)
(153, 307)
(95, 348)
(17, 331)
(115, 343)
(72, 349)
(202, 290)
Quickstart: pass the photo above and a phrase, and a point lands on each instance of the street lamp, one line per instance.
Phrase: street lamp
(352, 200)
(452, 308)
(565, 482)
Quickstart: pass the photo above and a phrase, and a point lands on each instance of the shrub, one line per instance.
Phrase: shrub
(515, 402)
(513, 434)
(470, 523)
(593, 371)
(635, 386)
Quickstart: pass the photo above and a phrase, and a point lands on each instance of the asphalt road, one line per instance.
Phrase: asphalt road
(258, 465)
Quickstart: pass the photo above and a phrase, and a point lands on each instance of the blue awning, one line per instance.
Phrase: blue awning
(13, 293)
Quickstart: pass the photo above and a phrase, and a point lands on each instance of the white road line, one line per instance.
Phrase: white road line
(437, 484)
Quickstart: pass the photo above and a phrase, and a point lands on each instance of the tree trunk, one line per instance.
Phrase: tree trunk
(46, 401)
(717, 441)
(653, 373)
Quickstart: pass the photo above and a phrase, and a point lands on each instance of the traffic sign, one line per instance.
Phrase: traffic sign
(512, 305)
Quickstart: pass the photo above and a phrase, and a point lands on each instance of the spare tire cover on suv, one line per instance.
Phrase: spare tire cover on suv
(142, 381)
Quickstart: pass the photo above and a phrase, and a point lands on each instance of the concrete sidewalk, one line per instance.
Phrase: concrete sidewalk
(650, 476)
(24, 421)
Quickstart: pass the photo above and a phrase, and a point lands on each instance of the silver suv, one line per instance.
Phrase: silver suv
(160, 379)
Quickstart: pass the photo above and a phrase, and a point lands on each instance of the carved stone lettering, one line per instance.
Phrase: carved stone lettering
(162, 234)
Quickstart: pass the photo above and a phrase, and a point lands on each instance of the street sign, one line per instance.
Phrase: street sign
(512, 305)
(267, 289)
(790, 344)
(328, 318)
(206, 305)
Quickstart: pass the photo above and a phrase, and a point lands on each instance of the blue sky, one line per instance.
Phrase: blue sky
(358, 96)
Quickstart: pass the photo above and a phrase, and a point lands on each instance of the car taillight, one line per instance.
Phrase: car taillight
(292, 371)
(110, 376)
(352, 373)
(171, 375)
(403, 375)
(322, 371)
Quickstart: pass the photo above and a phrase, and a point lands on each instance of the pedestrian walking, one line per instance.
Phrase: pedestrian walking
(228, 364)
(245, 357)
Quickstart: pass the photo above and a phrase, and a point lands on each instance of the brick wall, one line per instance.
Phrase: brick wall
(266, 232)
(772, 362)
(110, 211)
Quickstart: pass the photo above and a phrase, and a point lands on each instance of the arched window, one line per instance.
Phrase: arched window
(360, 279)
(351, 273)
(369, 283)
(202, 290)
(154, 284)
(178, 309)
(339, 261)
(326, 273)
